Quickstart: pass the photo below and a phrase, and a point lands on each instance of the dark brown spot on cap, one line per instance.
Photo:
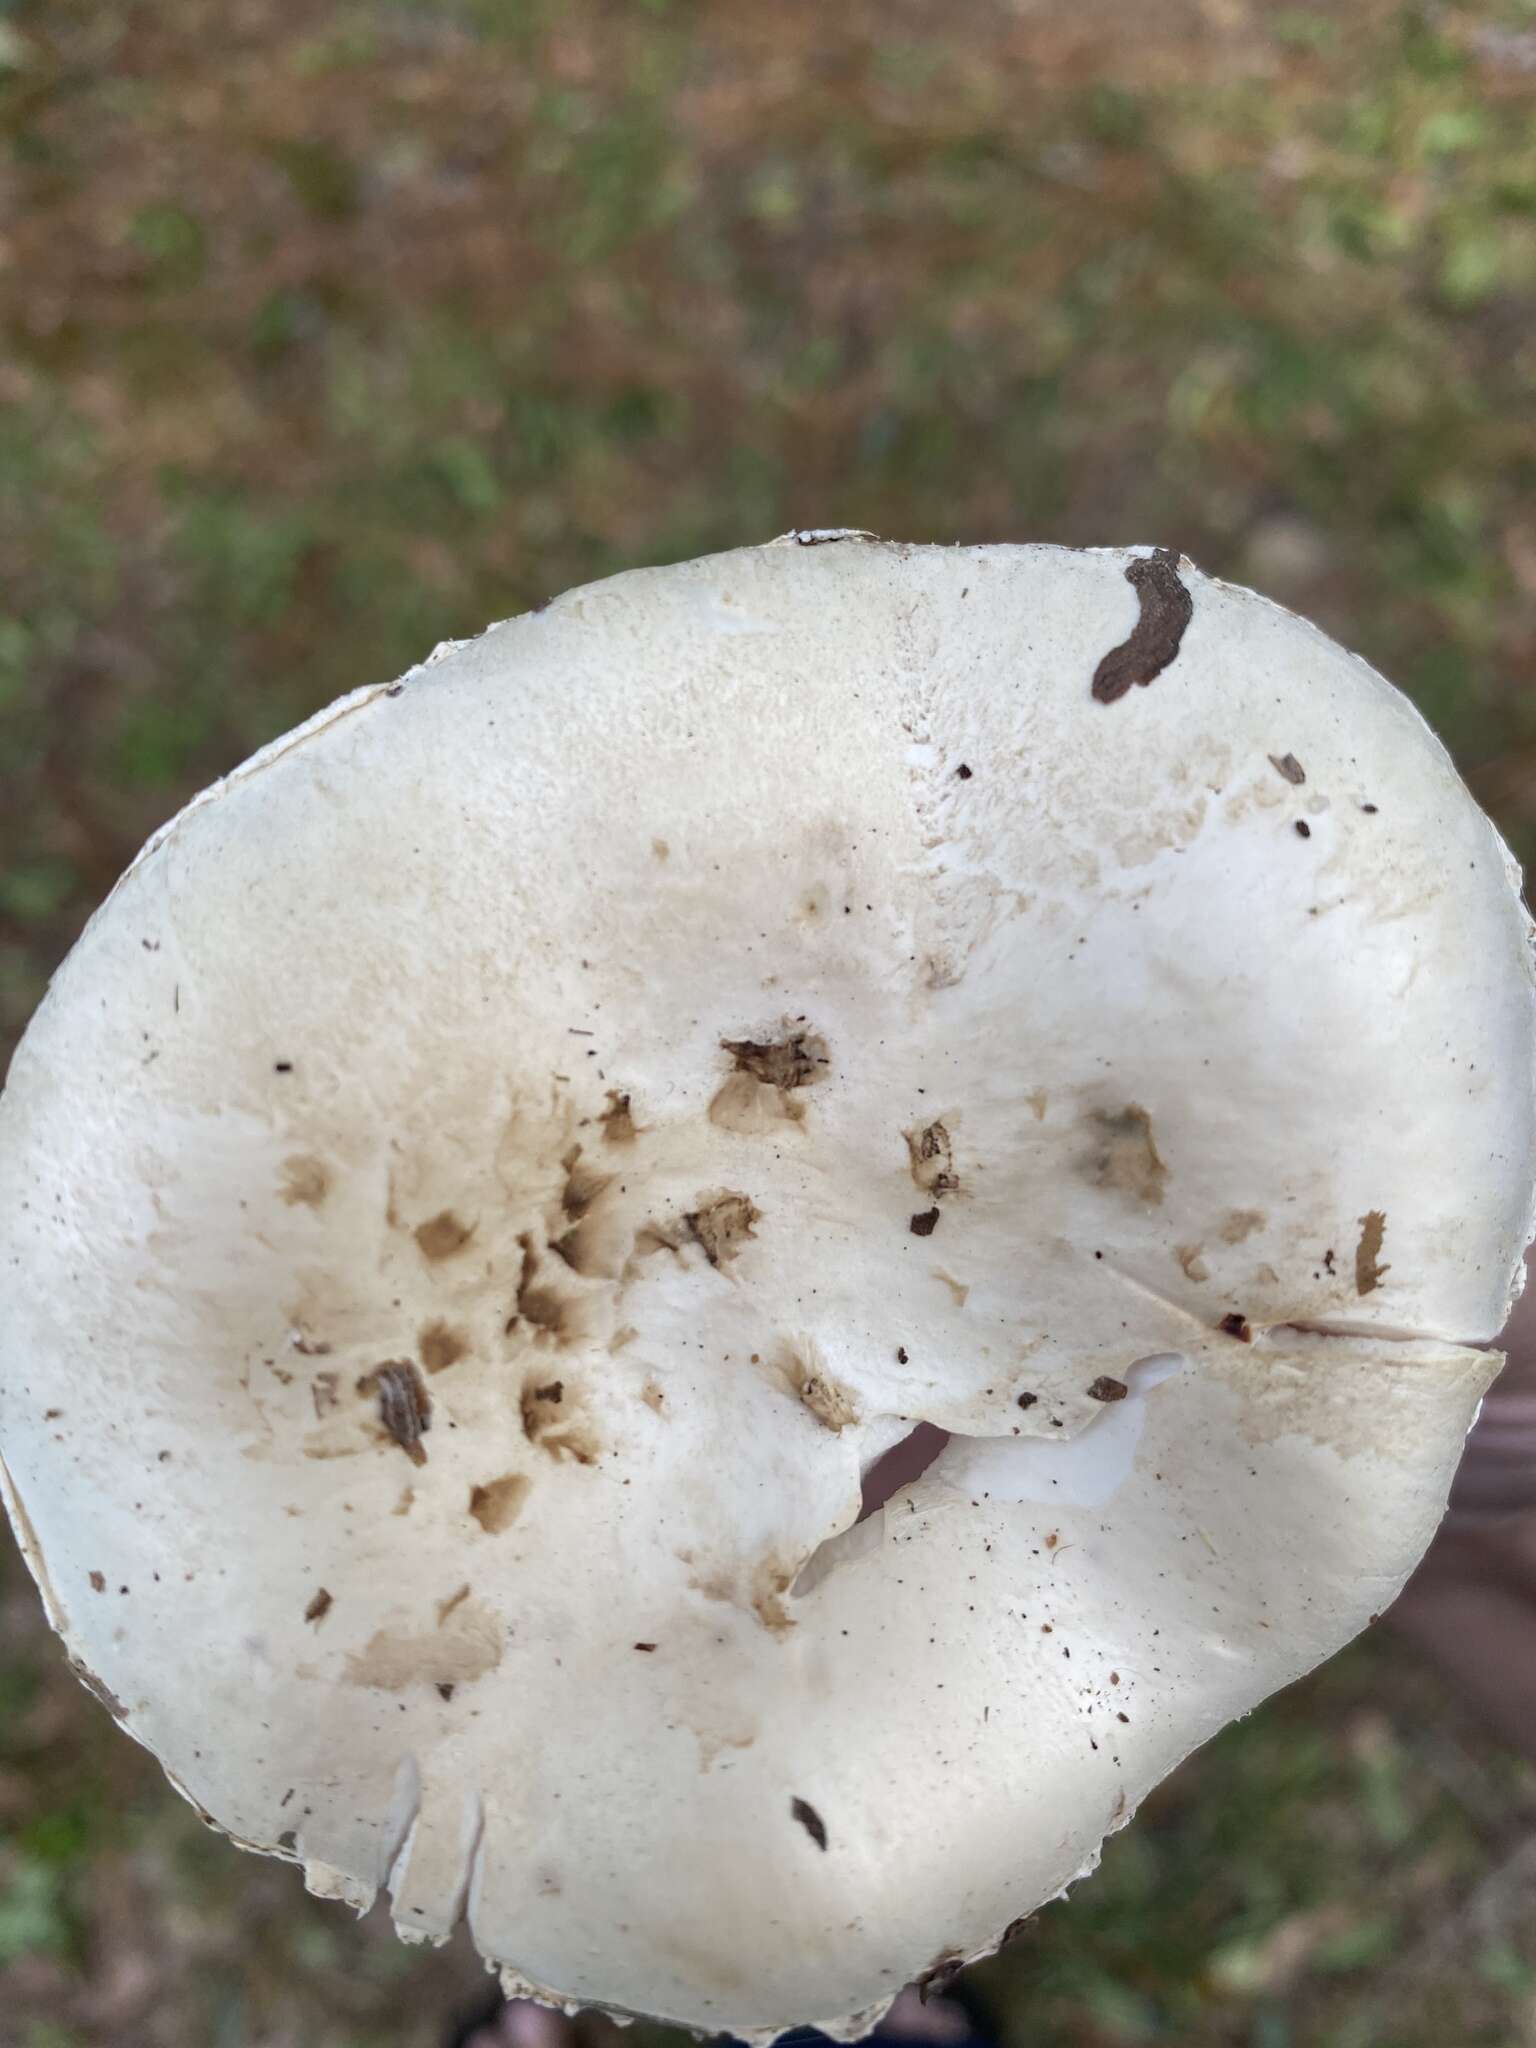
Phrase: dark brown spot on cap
(1237, 1325)
(1028, 1400)
(441, 1347)
(1106, 1389)
(443, 1235)
(1288, 766)
(405, 1406)
(924, 1224)
(803, 1811)
(1166, 610)
(792, 1062)
(319, 1607)
(497, 1504)
(1368, 1266)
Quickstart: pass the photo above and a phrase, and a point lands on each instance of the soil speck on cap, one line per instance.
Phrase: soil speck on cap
(770, 1582)
(405, 1406)
(803, 1811)
(550, 1420)
(1126, 1157)
(792, 1062)
(497, 1505)
(1240, 1224)
(542, 1306)
(442, 1236)
(1303, 829)
(582, 1185)
(938, 1977)
(722, 1224)
(441, 1347)
(306, 1181)
(319, 1607)
(617, 1122)
(1166, 610)
(1106, 1389)
(98, 1583)
(451, 1604)
(1368, 1266)
(94, 1685)
(1288, 766)
(964, 771)
(1028, 1400)
(1238, 1326)
(932, 1155)
(925, 1224)
(647, 1647)
(831, 1403)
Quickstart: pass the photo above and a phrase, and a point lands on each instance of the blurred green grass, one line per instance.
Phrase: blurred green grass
(331, 330)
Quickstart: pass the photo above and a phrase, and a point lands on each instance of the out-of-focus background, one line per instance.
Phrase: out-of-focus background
(330, 328)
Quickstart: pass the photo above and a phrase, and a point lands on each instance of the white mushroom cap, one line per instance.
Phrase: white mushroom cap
(504, 1162)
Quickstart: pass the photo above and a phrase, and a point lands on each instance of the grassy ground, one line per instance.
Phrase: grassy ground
(328, 330)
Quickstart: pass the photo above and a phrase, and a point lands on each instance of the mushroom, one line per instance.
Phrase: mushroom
(505, 1163)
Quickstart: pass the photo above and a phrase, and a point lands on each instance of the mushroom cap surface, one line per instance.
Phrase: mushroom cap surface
(504, 1162)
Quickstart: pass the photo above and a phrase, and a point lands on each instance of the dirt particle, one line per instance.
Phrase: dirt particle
(938, 1977)
(553, 1423)
(442, 1236)
(441, 1347)
(901, 1354)
(1288, 766)
(324, 1392)
(1237, 1325)
(1328, 1260)
(542, 1306)
(1303, 829)
(831, 1403)
(795, 1061)
(722, 1224)
(770, 1582)
(306, 1181)
(319, 1607)
(1106, 1389)
(1039, 1102)
(497, 1504)
(394, 1661)
(582, 1185)
(1125, 1155)
(647, 1647)
(617, 1120)
(924, 1224)
(960, 1290)
(100, 1691)
(1240, 1224)
(405, 1406)
(1188, 1256)
(1028, 1400)
(964, 771)
(446, 1688)
(803, 1811)
(932, 1157)
(1166, 610)
(98, 1582)
(661, 850)
(1368, 1266)
(451, 1605)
